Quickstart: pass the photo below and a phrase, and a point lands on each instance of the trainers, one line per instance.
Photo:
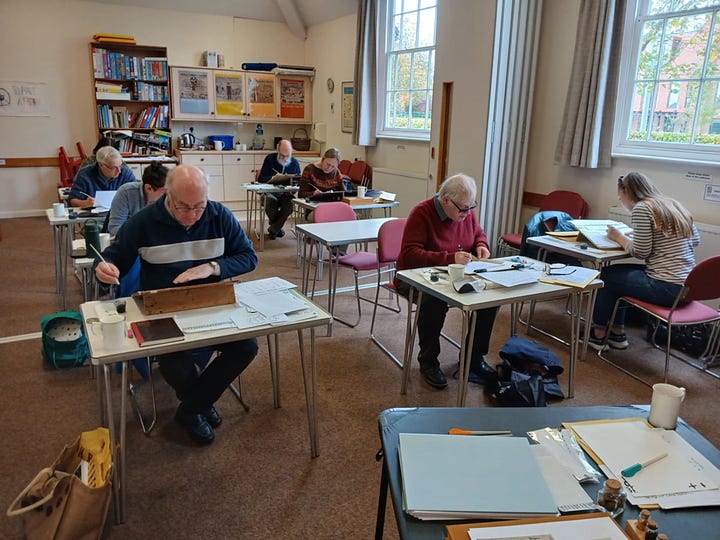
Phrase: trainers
(618, 341)
(434, 377)
(596, 342)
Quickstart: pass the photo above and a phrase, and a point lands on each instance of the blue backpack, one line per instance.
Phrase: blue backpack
(64, 343)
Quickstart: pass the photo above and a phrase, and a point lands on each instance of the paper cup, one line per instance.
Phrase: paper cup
(58, 209)
(456, 271)
(665, 405)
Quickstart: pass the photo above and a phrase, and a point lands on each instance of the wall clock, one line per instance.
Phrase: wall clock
(330, 85)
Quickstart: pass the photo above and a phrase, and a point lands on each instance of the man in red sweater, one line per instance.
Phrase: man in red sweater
(443, 230)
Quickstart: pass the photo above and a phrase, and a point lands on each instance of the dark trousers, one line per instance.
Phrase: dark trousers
(278, 208)
(200, 391)
(430, 323)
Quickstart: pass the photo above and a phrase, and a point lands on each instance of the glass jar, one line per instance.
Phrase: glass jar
(612, 497)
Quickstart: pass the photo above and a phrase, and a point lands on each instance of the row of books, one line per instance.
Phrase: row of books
(139, 91)
(116, 65)
(134, 146)
(156, 116)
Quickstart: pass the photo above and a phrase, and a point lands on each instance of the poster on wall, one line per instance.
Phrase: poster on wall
(348, 107)
(193, 92)
(23, 99)
(292, 98)
(261, 95)
(229, 88)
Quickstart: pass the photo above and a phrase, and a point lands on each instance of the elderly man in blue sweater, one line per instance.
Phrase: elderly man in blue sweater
(107, 174)
(184, 238)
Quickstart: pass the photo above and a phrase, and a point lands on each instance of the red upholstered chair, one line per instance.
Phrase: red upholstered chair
(687, 310)
(344, 166)
(561, 200)
(361, 174)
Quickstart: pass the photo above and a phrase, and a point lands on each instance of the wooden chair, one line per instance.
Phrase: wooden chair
(361, 174)
(68, 167)
(81, 150)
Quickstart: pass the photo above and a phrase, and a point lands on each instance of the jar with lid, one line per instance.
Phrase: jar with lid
(612, 497)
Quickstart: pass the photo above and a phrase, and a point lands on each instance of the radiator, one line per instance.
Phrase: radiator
(709, 234)
(410, 187)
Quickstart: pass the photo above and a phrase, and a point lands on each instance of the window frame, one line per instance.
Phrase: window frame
(383, 61)
(623, 147)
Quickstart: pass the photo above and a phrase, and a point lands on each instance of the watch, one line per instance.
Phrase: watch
(215, 267)
(330, 85)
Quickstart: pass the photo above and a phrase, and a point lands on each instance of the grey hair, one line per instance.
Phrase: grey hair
(458, 186)
(107, 153)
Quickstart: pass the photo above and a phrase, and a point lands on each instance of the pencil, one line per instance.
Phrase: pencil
(117, 282)
(458, 431)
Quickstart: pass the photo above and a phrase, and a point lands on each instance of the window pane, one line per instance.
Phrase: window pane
(426, 29)
(410, 5)
(713, 67)
(674, 125)
(419, 109)
(396, 33)
(400, 71)
(642, 104)
(666, 6)
(427, 3)
(397, 7)
(408, 34)
(684, 47)
(649, 50)
(400, 106)
(709, 117)
(420, 70)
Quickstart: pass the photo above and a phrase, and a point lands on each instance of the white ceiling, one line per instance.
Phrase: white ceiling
(310, 12)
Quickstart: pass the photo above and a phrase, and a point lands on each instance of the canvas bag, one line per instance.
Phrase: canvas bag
(64, 343)
(57, 505)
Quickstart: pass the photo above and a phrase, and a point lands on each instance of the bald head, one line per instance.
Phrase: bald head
(284, 152)
(187, 189)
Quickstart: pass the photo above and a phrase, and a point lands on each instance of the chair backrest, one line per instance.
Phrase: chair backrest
(68, 168)
(81, 150)
(360, 173)
(389, 240)
(344, 166)
(702, 282)
(566, 201)
(333, 211)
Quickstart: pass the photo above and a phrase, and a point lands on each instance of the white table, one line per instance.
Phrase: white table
(256, 195)
(101, 356)
(332, 235)
(469, 303)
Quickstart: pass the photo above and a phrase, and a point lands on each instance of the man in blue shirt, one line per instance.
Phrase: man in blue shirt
(278, 206)
(108, 174)
(185, 239)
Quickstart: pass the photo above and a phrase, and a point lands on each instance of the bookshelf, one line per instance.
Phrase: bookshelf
(132, 99)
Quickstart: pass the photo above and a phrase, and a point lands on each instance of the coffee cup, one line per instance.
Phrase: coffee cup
(241, 147)
(112, 329)
(362, 191)
(456, 271)
(58, 209)
(104, 241)
(219, 145)
(665, 405)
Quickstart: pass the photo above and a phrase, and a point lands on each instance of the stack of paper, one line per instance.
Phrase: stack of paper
(595, 231)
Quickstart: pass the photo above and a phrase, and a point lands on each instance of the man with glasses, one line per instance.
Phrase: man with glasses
(107, 174)
(185, 239)
(439, 231)
(278, 206)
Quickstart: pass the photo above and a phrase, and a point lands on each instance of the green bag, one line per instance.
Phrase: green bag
(64, 343)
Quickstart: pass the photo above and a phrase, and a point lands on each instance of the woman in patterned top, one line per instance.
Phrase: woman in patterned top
(322, 176)
(664, 236)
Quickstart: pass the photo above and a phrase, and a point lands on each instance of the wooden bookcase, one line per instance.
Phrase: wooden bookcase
(132, 96)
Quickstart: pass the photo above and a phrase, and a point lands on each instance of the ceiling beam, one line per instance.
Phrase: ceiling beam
(292, 17)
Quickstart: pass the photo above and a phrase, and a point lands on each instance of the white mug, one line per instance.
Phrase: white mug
(362, 191)
(241, 147)
(104, 241)
(112, 330)
(665, 405)
(456, 271)
(58, 209)
(219, 145)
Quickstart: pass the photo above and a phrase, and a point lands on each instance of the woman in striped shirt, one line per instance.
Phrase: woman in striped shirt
(664, 236)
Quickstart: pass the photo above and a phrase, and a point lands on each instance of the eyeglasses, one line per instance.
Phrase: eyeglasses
(113, 168)
(558, 269)
(187, 210)
(463, 210)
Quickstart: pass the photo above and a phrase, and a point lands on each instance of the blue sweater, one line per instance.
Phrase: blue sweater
(89, 179)
(271, 167)
(166, 248)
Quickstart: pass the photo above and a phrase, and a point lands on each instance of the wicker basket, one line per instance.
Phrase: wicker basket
(300, 143)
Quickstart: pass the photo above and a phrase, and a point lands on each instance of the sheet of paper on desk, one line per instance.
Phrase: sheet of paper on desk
(263, 285)
(103, 200)
(272, 303)
(604, 528)
(512, 278)
(566, 491)
(208, 319)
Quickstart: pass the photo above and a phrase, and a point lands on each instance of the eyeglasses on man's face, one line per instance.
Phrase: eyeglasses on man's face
(462, 210)
(184, 209)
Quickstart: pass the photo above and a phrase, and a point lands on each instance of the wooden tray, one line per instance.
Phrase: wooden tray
(183, 298)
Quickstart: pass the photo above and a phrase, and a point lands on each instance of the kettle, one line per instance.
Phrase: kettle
(186, 140)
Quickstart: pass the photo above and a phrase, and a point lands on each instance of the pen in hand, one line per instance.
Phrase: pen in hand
(117, 282)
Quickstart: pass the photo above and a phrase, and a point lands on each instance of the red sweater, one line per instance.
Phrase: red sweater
(429, 240)
(314, 177)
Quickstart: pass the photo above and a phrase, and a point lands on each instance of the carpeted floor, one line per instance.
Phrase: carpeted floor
(257, 479)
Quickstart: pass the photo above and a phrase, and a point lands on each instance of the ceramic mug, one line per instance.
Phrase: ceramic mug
(112, 329)
(665, 405)
(362, 191)
(456, 271)
(219, 145)
(241, 147)
(58, 209)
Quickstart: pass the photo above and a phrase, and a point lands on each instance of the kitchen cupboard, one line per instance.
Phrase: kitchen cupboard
(212, 164)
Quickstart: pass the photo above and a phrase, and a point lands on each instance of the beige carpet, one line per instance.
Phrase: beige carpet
(257, 479)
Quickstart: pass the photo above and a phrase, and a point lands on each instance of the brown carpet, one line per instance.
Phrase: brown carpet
(257, 479)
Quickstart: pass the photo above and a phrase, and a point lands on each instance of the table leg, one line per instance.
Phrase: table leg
(273, 353)
(467, 338)
(382, 501)
(117, 460)
(410, 330)
(574, 337)
(57, 239)
(123, 425)
(261, 209)
(310, 383)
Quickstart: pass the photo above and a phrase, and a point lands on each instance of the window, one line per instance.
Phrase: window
(406, 65)
(668, 104)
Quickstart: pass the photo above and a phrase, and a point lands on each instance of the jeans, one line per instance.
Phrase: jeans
(278, 208)
(630, 280)
(430, 324)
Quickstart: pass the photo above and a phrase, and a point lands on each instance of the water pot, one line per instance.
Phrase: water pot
(186, 140)
(92, 238)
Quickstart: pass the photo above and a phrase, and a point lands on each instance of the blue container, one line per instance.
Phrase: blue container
(227, 141)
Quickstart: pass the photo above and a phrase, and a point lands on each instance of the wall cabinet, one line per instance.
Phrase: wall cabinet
(239, 96)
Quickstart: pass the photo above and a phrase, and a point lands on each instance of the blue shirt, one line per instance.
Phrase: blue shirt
(271, 167)
(89, 179)
(128, 201)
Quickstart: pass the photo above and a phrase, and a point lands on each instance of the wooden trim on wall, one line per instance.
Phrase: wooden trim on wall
(29, 162)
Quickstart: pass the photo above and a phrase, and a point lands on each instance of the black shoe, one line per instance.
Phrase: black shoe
(212, 416)
(484, 374)
(280, 233)
(272, 235)
(434, 377)
(196, 426)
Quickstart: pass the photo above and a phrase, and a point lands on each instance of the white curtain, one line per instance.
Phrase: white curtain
(365, 74)
(585, 138)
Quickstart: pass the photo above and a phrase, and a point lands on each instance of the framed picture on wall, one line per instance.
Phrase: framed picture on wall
(348, 106)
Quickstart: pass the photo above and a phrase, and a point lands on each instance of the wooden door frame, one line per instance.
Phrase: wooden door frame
(444, 132)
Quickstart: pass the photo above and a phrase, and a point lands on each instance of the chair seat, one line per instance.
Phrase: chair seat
(691, 313)
(361, 260)
(512, 239)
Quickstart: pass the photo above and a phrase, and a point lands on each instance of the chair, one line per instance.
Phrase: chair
(361, 174)
(68, 167)
(344, 166)
(81, 150)
(687, 310)
(565, 201)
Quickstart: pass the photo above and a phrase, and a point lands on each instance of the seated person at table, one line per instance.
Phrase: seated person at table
(443, 230)
(664, 236)
(92, 159)
(185, 239)
(322, 176)
(278, 206)
(108, 174)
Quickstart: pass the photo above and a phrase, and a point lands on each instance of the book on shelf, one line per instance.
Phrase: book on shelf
(156, 331)
(120, 96)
